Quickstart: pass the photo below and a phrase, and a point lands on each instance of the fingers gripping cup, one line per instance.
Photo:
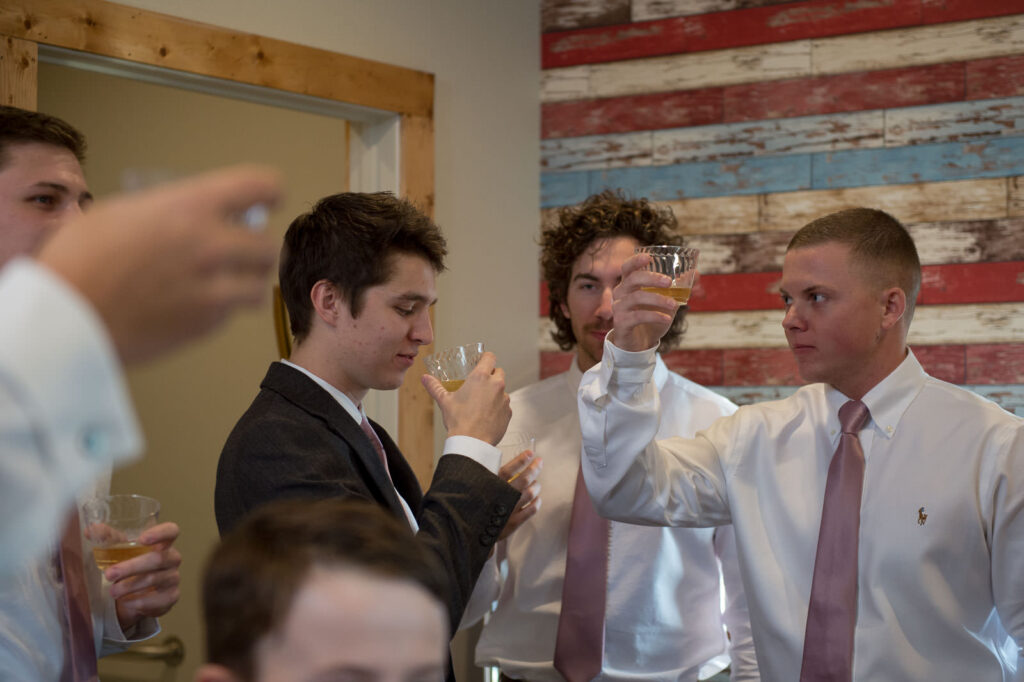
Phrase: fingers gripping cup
(679, 263)
(452, 365)
(113, 525)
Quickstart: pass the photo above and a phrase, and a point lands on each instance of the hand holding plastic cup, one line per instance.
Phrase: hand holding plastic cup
(452, 365)
(679, 263)
(512, 445)
(113, 525)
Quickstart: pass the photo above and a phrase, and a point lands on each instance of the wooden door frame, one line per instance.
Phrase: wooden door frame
(148, 38)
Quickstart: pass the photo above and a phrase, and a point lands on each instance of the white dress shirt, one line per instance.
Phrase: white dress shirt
(663, 616)
(477, 450)
(941, 560)
(65, 418)
(65, 413)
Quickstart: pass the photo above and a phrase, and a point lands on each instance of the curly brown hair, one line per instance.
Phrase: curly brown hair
(601, 216)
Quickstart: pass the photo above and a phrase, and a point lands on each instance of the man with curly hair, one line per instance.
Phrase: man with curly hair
(663, 616)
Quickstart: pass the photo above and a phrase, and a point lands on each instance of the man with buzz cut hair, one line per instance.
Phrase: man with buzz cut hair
(358, 275)
(879, 512)
(323, 590)
(660, 589)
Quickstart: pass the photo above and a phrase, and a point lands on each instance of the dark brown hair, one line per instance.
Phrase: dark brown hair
(878, 242)
(253, 576)
(349, 239)
(601, 216)
(19, 126)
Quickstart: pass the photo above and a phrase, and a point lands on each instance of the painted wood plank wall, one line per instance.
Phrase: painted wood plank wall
(748, 118)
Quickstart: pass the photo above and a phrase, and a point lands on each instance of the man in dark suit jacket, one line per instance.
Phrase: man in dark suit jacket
(357, 275)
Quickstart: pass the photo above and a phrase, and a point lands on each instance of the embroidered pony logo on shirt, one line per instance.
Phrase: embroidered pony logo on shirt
(921, 516)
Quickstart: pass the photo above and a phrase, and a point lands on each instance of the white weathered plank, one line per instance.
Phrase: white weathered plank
(804, 134)
(566, 83)
(561, 15)
(700, 69)
(646, 10)
(954, 122)
(716, 215)
(983, 38)
(932, 325)
(983, 199)
(960, 41)
(1015, 196)
(596, 151)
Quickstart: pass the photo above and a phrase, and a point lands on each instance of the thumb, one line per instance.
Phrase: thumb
(434, 388)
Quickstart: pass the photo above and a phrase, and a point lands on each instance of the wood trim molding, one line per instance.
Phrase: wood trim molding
(144, 37)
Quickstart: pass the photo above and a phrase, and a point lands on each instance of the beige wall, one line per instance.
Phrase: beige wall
(485, 56)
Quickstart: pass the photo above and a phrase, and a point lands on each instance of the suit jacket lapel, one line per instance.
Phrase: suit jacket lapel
(303, 392)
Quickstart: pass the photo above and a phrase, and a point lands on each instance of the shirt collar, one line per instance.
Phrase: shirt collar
(353, 410)
(888, 400)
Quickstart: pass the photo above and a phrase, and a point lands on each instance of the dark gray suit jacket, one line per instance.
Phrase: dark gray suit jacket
(295, 440)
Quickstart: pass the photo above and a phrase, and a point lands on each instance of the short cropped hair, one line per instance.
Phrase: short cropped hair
(349, 239)
(20, 126)
(878, 242)
(252, 578)
(606, 215)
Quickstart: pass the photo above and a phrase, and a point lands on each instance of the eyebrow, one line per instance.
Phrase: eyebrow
(416, 298)
(63, 189)
(585, 275)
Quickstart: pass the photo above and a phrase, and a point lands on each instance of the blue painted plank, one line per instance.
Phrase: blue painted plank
(563, 189)
(991, 158)
(754, 175)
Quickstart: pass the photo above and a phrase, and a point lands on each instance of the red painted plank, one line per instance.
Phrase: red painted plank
(886, 89)
(554, 362)
(703, 366)
(942, 11)
(942, 362)
(995, 364)
(972, 283)
(740, 291)
(951, 283)
(722, 30)
(998, 77)
(760, 367)
(637, 112)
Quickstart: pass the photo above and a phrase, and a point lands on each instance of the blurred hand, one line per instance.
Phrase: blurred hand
(522, 472)
(480, 408)
(166, 265)
(147, 585)
(641, 317)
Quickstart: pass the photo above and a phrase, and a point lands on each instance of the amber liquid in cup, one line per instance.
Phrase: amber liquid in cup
(108, 556)
(680, 294)
(453, 385)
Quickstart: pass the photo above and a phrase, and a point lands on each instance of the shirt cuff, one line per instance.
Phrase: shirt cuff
(484, 454)
(628, 367)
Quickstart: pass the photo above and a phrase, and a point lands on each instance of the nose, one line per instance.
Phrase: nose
(792, 320)
(422, 331)
(604, 308)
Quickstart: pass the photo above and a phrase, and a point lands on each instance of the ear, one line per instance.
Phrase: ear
(327, 301)
(210, 672)
(894, 302)
(565, 310)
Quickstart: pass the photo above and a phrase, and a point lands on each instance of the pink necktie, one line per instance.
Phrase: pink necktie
(79, 647)
(375, 441)
(579, 645)
(832, 613)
